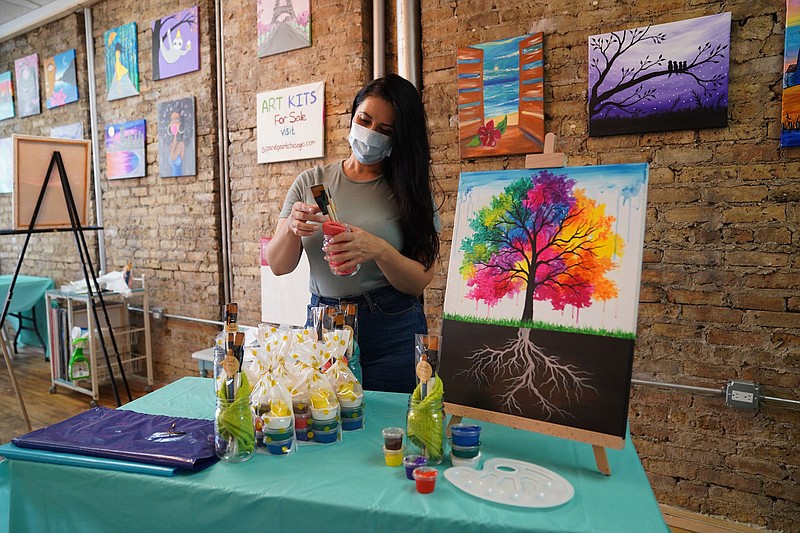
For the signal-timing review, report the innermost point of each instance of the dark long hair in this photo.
(407, 170)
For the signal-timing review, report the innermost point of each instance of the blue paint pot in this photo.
(325, 437)
(279, 447)
(349, 424)
(302, 433)
(465, 435)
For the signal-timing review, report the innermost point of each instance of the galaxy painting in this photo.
(665, 77)
(790, 109)
(125, 157)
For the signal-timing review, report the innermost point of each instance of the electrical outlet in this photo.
(742, 394)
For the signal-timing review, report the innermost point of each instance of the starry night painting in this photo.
(667, 77)
(790, 115)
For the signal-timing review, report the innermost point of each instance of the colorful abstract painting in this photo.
(283, 25)
(542, 294)
(501, 97)
(122, 61)
(790, 111)
(67, 131)
(176, 138)
(6, 166)
(666, 77)
(176, 44)
(6, 96)
(125, 144)
(27, 77)
(60, 79)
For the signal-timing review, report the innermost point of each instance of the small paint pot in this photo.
(349, 403)
(465, 434)
(425, 476)
(392, 457)
(302, 433)
(279, 447)
(277, 435)
(465, 452)
(300, 408)
(353, 412)
(461, 461)
(301, 421)
(393, 438)
(277, 422)
(324, 425)
(349, 424)
(326, 413)
(410, 462)
(324, 437)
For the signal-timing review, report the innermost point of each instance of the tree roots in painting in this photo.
(527, 372)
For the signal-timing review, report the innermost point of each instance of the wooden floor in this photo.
(33, 376)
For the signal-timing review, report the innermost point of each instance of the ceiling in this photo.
(10, 10)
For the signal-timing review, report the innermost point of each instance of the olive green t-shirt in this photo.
(369, 205)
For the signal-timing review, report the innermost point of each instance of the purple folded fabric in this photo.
(186, 443)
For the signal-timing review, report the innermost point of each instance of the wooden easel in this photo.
(599, 441)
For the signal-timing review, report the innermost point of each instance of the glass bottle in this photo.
(425, 424)
(329, 229)
(234, 430)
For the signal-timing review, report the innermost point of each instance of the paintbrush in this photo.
(432, 353)
(324, 200)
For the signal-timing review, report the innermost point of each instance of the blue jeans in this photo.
(388, 321)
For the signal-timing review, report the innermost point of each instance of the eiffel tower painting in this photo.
(283, 25)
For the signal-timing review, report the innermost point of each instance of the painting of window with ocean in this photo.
(542, 296)
(501, 97)
(790, 115)
(666, 77)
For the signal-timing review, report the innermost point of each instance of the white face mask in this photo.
(369, 146)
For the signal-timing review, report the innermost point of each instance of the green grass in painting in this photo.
(540, 325)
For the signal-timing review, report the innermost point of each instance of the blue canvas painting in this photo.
(122, 61)
(666, 77)
(61, 84)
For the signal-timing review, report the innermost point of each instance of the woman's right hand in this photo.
(305, 219)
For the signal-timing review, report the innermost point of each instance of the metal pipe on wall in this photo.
(98, 191)
(409, 51)
(224, 175)
(378, 39)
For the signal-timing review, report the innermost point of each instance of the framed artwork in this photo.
(27, 76)
(32, 157)
(666, 77)
(790, 99)
(501, 97)
(6, 96)
(176, 44)
(61, 83)
(68, 131)
(122, 61)
(290, 123)
(283, 25)
(542, 295)
(125, 145)
(176, 138)
(6, 166)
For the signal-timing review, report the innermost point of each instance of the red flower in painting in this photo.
(488, 134)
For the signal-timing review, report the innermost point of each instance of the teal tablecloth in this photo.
(338, 487)
(28, 294)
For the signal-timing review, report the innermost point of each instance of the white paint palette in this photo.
(512, 482)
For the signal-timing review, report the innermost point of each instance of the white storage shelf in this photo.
(69, 309)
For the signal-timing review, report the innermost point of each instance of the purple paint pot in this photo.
(411, 462)
(465, 434)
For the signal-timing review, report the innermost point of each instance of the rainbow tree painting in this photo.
(501, 97)
(542, 293)
(666, 77)
(790, 108)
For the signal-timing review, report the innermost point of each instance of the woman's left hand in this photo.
(353, 248)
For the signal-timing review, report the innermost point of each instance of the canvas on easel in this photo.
(542, 297)
(32, 156)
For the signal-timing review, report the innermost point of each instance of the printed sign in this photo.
(291, 123)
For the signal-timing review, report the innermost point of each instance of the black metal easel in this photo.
(88, 274)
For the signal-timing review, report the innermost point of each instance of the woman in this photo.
(382, 191)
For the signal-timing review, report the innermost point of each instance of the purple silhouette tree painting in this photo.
(542, 293)
(671, 76)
